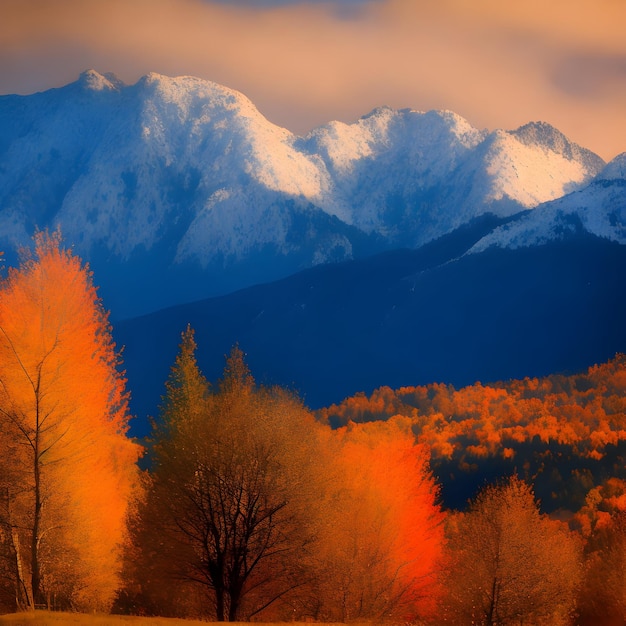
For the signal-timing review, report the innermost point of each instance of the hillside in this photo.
(402, 318)
(565, 433)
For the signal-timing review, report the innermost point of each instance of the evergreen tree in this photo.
(186, 388)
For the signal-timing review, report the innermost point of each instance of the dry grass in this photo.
(43, 618)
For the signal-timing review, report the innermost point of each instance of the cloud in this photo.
(592, 76)
(499, 64)
(337, 4)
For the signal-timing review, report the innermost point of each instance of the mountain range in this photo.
(403, 248)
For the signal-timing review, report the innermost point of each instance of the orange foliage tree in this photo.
(602, 522)
(381, 533)
(268, 511)
(508, 563)
(602, 598)
(70, 469)
(585, 411)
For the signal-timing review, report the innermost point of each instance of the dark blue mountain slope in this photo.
(401, 318)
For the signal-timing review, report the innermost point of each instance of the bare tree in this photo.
(228, 483)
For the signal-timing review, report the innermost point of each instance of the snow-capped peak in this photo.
(533, 164)
(191, 169)
(615, 169)
(94, 81)
(546, 137)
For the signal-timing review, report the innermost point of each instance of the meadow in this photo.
(44, 618)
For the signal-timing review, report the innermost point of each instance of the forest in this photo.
(492, 504)
(565, 434)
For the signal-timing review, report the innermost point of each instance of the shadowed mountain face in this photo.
(402, 318)
(175, 189)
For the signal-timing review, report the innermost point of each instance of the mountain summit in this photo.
(176, 189)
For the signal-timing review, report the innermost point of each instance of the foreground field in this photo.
(43, 618)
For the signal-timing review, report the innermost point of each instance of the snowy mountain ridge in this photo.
(598, 209)
(190, 173)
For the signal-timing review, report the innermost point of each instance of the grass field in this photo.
(43, 618)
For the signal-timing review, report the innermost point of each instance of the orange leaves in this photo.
(543, 428)
(56, 335)
(356, 531)
(64, 403)
(586, 411)
(509, 563)
(386, 526)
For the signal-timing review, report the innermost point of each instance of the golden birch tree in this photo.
(509, 564)
(63, 420)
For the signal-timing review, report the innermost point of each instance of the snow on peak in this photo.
(534, 164)
(248, 141)
(544, 135)
(598, 209)
(615, 169)
(94, 81)
(183, 89)
(385, 127)
(194, 167)
(193, 100)
(384, 124)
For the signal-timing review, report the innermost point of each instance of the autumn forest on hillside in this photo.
(491, 504)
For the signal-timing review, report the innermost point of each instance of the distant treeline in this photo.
(564, 433)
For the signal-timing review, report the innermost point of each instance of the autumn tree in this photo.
(380, 533)
(509, 564)
(602, 600)
(152, 564)
(602, 521)
(231, 479)
(68, 466)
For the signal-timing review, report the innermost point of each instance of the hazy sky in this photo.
(498, 63)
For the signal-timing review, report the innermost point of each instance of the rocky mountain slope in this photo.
(176, 189)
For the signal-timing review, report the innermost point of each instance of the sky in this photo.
(498, 63)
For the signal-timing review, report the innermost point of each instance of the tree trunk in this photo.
(491, 617)
(23, 598)
(233, 609)
(21, 592)
(38, 597)
(219, 604)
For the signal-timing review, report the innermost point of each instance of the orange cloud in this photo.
(499, 64)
